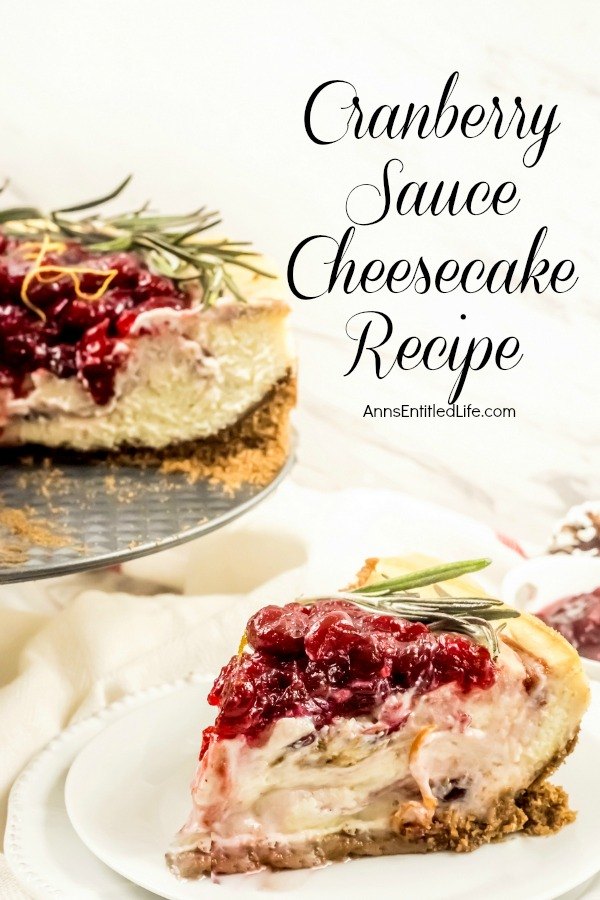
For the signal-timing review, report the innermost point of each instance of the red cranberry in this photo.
(19, 351)
(56, 311)
(85, 314)
(13, 319)
(459, 659)
(278, 630)
(125, 321)
(319, 609)
(435, 660)
(412, 665)
(12, 273)
(318, 635)
(402, 629)
(208, 736)
(126, 265)
(98, 361)
(216, 693)
(44, 293)
(149, 285)
(337, 636)
(61, 360)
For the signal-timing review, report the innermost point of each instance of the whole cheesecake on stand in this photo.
(136, 332)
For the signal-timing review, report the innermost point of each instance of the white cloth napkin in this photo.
(70, 646)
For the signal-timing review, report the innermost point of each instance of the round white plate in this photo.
(43, 851)
(127, 793)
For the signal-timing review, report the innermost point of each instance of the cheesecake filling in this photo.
(333, 720)
(50, 396)
(415, 755)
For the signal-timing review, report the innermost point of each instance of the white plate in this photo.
(43, 851)
(127, 793)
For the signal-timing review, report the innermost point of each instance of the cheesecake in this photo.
(121, 333)
(385, 719)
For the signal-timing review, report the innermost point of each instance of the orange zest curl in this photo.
(46, 274)
(31, 249)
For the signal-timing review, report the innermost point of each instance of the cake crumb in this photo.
(26, 531)
(110, 484)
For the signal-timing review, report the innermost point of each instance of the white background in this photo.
(204, 103)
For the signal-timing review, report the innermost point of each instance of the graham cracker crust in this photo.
(540, 809)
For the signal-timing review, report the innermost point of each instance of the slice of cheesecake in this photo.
(343, 731)
(101, 350)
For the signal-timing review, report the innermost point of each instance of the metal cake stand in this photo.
(78, 517)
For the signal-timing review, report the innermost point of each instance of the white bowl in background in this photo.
(534, 584)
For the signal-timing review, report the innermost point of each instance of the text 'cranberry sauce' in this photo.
(335, 659)
(578, 620)
(61, 328)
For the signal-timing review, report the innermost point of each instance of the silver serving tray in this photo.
(109, 514)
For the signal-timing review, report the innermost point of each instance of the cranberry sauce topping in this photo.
(334, 659)
(72, 335)
(578, 620)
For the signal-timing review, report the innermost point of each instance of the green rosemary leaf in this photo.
(402, 597)
(133, 222)
(419, 614)
(426, 576)
(164, 267)
(90, 204)
(161, 243)
(226, 253)
(19, 213)
(78, 230)
(191, 232)
(243, 264)
(117, 244)
(225, 242)
(477, 629)
(232, 287)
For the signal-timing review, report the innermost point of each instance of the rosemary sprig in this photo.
(170, 245)
(433, 575)
(466, 615)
